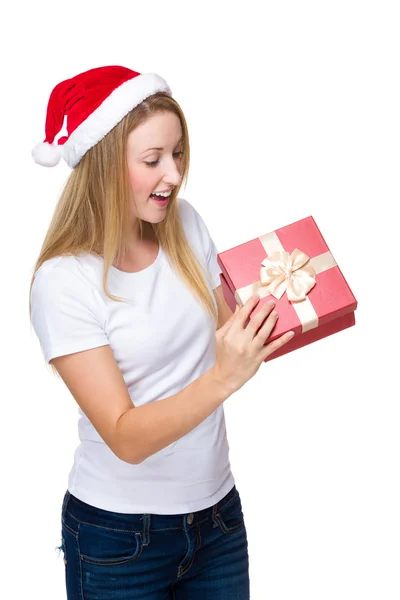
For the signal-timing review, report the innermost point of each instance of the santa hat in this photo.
(92, 103)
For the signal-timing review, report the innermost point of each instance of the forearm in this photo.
(144, 430)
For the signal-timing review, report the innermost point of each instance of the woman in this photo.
(127, 305)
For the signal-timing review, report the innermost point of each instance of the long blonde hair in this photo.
(93, 213)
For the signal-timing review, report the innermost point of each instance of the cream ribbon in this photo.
(283, 272)
(291, 273)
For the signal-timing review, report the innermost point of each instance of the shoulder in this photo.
(192, 220)
(79, 269)
(186, 209)
(53, 270)
(62, 276)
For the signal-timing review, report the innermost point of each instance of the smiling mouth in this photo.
(159, 200)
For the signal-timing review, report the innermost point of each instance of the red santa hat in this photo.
(91, 103)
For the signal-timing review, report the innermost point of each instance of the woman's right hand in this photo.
(241, 350)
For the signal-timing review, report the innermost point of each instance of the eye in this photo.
(155, 162)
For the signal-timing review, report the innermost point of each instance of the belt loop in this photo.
(146, 529)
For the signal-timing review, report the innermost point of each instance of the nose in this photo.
(172, 176)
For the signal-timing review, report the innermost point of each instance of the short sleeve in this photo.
(65, 314)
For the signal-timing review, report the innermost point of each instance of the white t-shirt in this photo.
(162, 340)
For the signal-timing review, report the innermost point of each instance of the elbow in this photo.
(131, 460)
(127, 457)
(123, 436)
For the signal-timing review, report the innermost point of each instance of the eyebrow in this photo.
(162, 148)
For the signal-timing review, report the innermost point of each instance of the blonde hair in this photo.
(93, 213)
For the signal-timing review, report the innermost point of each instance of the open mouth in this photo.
(159, 200)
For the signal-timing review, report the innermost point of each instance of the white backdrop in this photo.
(293, 110)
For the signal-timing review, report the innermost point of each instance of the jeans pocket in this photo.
(70, 525)
(106, 546)
(230, 516)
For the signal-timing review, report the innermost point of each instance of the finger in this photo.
(242, 313)
(257, 320)
(265, 331)
(248, 306)
(276, 344)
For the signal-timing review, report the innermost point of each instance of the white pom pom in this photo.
(47, 155)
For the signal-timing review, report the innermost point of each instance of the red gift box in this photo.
(293, 266)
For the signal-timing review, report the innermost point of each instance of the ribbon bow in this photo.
(288, 272)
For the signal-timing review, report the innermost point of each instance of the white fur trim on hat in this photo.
(112, 110)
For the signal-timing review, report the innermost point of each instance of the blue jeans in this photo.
(198, 556)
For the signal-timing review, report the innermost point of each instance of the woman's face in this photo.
(153, 170)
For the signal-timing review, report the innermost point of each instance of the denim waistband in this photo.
(86, 513)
